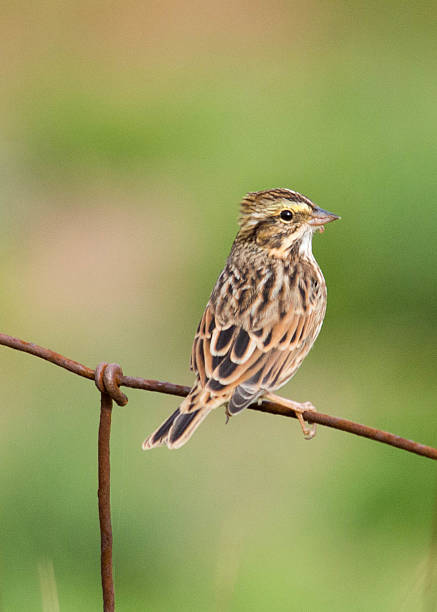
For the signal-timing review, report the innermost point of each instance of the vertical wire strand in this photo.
(104, 495)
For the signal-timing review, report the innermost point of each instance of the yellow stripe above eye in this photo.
(297, 206)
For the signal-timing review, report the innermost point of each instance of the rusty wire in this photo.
(104, 496)
(111, 378)
(108, 379)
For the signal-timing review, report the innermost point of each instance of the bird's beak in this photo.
(320, 217)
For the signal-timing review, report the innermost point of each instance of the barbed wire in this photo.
(109, 378)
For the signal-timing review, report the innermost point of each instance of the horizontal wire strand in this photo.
(180, 390)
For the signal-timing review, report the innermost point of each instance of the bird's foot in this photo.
(298, 409)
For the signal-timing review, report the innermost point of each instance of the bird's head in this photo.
(278, 219)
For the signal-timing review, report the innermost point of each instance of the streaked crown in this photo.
(259, 205)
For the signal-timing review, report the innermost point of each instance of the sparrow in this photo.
(262, 318)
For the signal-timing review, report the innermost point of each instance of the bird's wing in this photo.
(227, 356)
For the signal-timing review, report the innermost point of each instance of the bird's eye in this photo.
(286, 215)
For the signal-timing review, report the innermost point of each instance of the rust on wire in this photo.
(107, 378)
(104, 495)
(111, 378)
(358, 429)
(48, 355)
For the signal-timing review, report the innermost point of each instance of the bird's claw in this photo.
(308, 432)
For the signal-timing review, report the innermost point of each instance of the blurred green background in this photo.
(130, 132)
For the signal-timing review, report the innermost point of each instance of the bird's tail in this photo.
(177, 429)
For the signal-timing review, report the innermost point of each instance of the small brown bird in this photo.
(262, 318)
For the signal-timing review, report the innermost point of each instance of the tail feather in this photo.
(184, 427)
(160, 435)
(177, 429)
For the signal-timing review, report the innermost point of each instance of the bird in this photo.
(262, 318)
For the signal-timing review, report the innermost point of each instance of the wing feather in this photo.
(249, 356)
